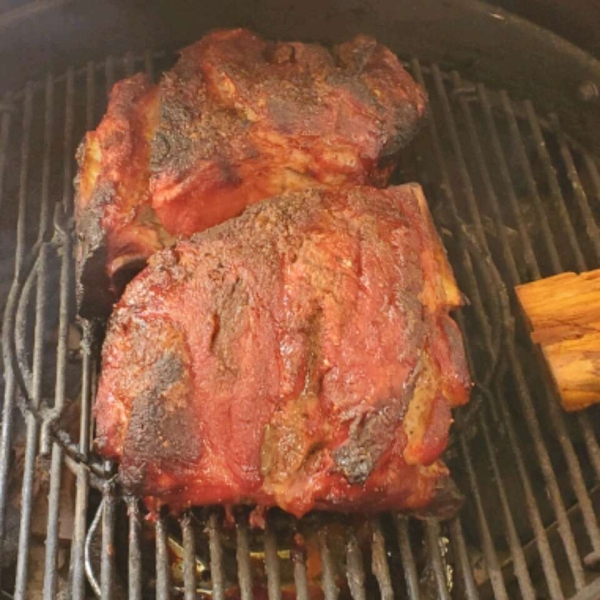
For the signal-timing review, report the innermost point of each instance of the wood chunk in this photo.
(564, 315)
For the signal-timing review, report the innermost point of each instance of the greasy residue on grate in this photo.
(513, 199)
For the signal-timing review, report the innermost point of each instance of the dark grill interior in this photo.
(514, 199)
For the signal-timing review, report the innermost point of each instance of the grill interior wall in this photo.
(513, 199)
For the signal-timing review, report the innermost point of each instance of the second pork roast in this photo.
(300, 355)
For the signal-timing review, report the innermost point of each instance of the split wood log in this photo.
(564, 315)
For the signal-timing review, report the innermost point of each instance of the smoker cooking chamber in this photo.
(514, 199)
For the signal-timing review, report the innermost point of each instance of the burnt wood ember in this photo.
(238, 119)
(300, 355)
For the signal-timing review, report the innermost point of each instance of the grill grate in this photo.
(514, 199)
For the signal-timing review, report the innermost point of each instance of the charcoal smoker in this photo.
(508, 158)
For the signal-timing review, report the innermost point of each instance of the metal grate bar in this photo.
(462, 558)
(216, 556)
(243, 559)
(330, 588)
(9, 389)
(408, 560)
(189, 557)
(457, 148)
(57, 453)
(355, 572)
(491, 558)
(564, 527)
(47, 154)
(379, 563)
(109, 74)
(24, 174)
(27, 489)
(579, 191)
(517, 142)
(489, 550)
(129, 64)
(134, 558)
(300, 576)
(535, 519)
(487, 182)
(76, 568)
(592, 592)
(447, 192)
(508, 188)
(163, 579)
(550, 171)
(108, 543)
(61, 361)
(6, 111)
(590, 441)
(21, 320)
(272, 562)
(516, 550)
(90, 95)
(432, 535)
(69, 148)
(149, 64)
(89, 569)
(574, 470)
(592, 171)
